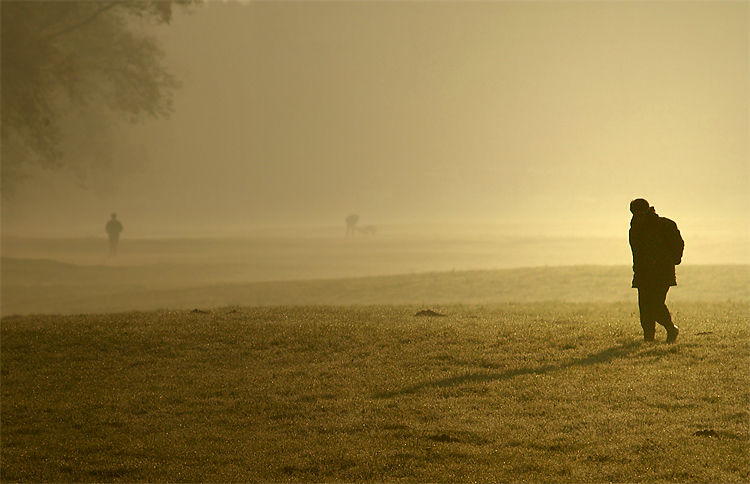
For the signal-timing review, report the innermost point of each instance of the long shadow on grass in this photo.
(622, 351)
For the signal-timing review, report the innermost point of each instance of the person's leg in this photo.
(647, 312)
(662, 314)
(660, 307)
(113, 245)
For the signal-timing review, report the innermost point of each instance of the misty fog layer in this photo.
(545, 115)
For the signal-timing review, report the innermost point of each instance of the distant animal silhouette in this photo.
(367, 230)
(351, 224)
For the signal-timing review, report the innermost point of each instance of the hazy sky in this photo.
(424, 111)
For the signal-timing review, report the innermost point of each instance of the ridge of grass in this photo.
(33, 287)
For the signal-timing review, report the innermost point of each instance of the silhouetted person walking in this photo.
(657, 248)
(114, 227)
(351, 224)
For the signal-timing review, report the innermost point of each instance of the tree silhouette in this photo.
(60, 56)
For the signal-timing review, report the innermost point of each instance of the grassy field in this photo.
(72, 276)
(524, 392)
(302, 360)
(49, 287)
(75, 276)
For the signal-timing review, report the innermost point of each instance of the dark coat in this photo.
(113, 228)
(657, 248)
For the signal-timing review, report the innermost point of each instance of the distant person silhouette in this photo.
(657, 248)
(114, 227)
(351, 224)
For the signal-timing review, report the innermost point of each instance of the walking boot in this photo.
(672, 334)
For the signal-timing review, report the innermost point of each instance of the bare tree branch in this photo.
(85, 21)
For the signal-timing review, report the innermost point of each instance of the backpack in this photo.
(673, 242)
